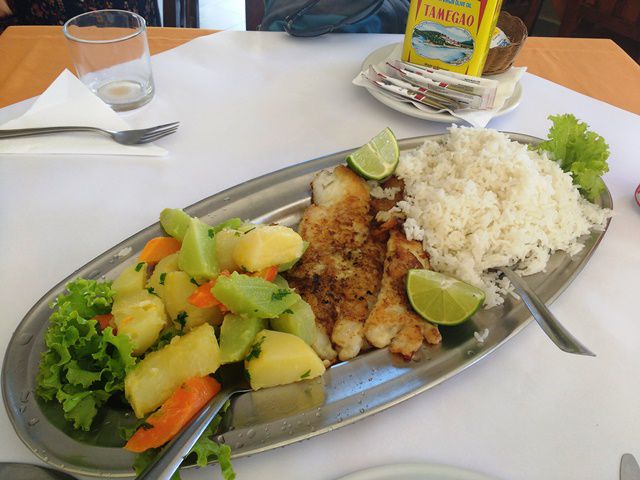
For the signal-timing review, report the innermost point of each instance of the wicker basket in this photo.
(500, 59)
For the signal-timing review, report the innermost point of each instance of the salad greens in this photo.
(579, 151)
(83, 367)
(207, 449)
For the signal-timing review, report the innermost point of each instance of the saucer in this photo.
(392, 52)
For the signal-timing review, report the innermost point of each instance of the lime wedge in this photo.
(377, 159)
(442, 299)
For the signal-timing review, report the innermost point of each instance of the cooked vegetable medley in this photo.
(201, 297)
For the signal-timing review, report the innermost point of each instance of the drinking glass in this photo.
(111, 55)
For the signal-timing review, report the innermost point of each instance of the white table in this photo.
(251, 103)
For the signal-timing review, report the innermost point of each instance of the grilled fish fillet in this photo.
(392, 322)
(339, 274)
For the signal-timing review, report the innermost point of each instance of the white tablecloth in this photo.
(251, 103)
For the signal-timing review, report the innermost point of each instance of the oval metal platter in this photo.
(274, 417)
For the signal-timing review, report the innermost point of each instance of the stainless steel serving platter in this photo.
(263, 420)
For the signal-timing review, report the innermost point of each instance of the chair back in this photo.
(181, 13)
(254, 12)
(527, 10)
(616, 19)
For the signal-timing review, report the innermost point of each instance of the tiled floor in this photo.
(222, 14)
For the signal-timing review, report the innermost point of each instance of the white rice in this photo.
(481, 336)
(478, 201)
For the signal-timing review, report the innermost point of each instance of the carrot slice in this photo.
(175, 413)
(105, 320)
(268, 273)
(203, 298)
(158, 248)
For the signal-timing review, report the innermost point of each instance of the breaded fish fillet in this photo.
(339, 274)
(392, 321)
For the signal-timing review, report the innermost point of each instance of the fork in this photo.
(125, 137)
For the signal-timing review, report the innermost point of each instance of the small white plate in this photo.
(415, 471)
(389, 52)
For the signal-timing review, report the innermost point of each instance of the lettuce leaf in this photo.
(82, 366)
(87, 297)
(579, 151)
(206, 449)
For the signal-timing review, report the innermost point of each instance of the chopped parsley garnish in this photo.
(139, 266)
(280, 294)
(193, 280)
(165, 338)
(163, 275)
(211, 233)
(256, 350)
(152, 291)
(182, 319)
(289, 311)
(247, 375)
(306, 374)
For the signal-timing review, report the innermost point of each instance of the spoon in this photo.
(25, 471)
(547, 320)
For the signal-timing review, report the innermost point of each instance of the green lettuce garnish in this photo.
(82, 366)
(207, 449)
(581, 152)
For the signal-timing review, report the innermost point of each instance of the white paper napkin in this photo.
(507, 84)
(477, 118)
(68, 101)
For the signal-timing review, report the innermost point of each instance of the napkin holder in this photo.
(500, 59)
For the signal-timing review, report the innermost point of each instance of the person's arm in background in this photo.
(5, 11)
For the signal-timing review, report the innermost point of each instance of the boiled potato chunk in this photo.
(226, 241)
(131, 280)
(277, 358)
(177, 288)
(158, 277)
(141, 316)
(267, 245)
(160, 373)
(289, 265)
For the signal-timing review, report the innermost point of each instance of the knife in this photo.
(629, 469)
